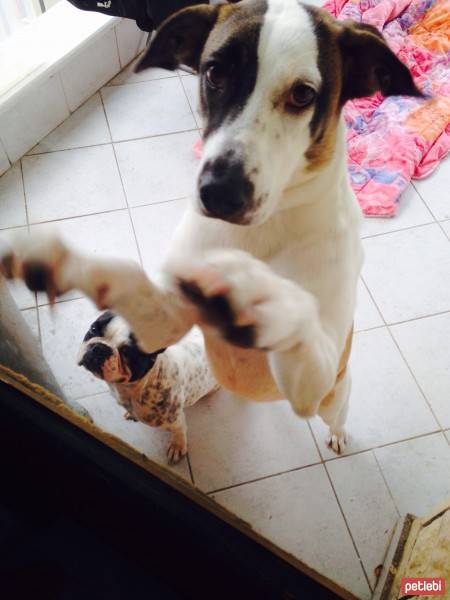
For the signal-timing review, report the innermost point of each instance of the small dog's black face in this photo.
(110, 351)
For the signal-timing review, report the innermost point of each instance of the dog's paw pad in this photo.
(210, 295)
(175, 452)
(337, 441)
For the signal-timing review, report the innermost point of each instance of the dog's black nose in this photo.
(95, 356)
(224, 189)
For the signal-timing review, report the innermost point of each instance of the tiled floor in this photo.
(114, 177)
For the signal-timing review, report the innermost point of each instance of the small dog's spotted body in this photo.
(155, 387)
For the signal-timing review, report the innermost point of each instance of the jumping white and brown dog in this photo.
(267, 258)
(155, 387)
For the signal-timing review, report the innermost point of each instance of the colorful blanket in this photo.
(391, 140)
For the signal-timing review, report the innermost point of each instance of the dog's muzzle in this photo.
(224, 190)
(95, 357)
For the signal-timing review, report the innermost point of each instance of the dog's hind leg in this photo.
(333, 410)
(47, 264)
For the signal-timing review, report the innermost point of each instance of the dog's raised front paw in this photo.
(244, 301)
(36, 259)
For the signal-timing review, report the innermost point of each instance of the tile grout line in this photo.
(124, 141)
(66, 101)
(399, 516)
(316, 443)
(381, 233)
(191, 471)
(378, 235)
(321, 462)
(388, 327)
(94, 214)
(348, 528)
(28, 227)
(424, 201)
(386, 445)
(414, 378)
(386, 483)
(435, 314)
(436, 220)
(189, 102)
(123, 186)
(71, 112)
(262, 478)
(109, 84)
(371, 297)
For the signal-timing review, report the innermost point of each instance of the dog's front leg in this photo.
(251, 306)
(46, 264)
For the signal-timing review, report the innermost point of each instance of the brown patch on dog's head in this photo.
(354, 61)
(323, 124)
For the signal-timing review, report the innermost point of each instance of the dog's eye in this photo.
(216, 76)
(301, 96)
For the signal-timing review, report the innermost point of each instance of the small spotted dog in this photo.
(153, 387)
(267, 257)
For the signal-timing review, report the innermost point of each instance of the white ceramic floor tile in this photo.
(20, 293)
(63, 327)
(232, 441)
(130, 40)
(158, 169)
(385, 404)
(191, 86)
(366, 314)
(368, 507)
(87, 126)
(298, 512)
(33, 117)
(435, 190)
(12, 199)
(446, 227)
(417, 473)
(108, 235)
(154, 226)
(127, 75)
(408, 272)
(4, 160)
(152, 442)
(72, 183)
(90, 68)
(411, 211)
(31, 318)
(425, 344)
(148, 108)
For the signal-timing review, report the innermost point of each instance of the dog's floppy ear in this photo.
(180, 38)
(369, 65)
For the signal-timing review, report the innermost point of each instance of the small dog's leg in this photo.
(334, 414)
(46, 264)
(178, 444)
(129, 417)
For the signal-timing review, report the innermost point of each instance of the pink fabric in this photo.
(391, 140)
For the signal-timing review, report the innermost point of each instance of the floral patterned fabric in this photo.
(391, 140)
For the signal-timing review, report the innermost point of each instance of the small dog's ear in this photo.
(180, 39)
(369, 65)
